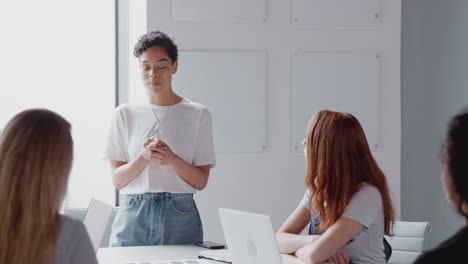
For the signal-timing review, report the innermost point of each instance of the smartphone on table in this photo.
(209, 245)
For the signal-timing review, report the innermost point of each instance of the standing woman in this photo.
(36, 152)
(161, 153)
(454, 179)
(347, 191)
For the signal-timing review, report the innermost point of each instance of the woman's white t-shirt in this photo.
(187, 130)
(365, 208)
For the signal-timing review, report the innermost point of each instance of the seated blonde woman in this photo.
(36, 152)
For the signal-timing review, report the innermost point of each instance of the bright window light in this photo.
(60, 55)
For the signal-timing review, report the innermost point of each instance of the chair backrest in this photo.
(96, 220)
(409, 241)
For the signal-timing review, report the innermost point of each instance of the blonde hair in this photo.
(36, 153)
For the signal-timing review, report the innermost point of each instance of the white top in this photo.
(187, 130)
(365, 208)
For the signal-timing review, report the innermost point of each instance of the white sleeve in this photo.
(305, 200)
(116, 147)
(204, 151)
(364, 206)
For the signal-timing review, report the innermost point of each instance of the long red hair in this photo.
(338, 162)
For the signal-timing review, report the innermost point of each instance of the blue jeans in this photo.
(313, 227)
(156, 219)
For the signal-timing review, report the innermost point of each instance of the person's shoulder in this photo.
(73, 232)
(194, 107)
(74, 244)
(452, 249)
(71, 225)
(369, 190)
(128, 107)
(433, 256)
(129, 110)
(70, 230)
(440, 254)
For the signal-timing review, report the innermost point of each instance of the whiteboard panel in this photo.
(344, 82)
(227, 11)
(336, 12)
(233, 87)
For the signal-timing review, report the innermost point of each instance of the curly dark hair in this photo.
(456, 156)
(156, 38)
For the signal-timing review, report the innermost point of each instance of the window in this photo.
(60, 55)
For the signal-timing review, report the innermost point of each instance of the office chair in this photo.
(409, 241)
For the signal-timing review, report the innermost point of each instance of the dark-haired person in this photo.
(36, 154)
(454, 179)
(161, 153)
(347, 191)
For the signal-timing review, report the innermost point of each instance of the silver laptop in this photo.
(250, 237)
(96, 220)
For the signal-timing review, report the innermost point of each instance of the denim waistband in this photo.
(158, 196)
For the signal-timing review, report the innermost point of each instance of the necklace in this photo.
(158, 131)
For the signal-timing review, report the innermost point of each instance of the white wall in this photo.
(434, 88)
(272, 182)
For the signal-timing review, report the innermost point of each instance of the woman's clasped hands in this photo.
(157, 151)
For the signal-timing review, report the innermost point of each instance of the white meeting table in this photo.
(118, 255)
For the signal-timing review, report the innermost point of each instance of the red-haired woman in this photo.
(347, 191)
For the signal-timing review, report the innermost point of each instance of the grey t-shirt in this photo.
(74, 245)
(365, 208)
